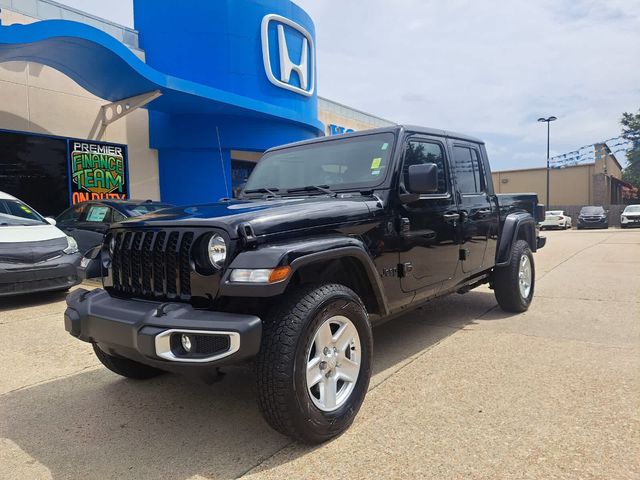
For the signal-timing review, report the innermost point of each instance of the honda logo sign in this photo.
(300, 67)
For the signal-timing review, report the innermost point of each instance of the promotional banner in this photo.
(97, 171)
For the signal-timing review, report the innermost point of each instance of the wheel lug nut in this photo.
(323, 365)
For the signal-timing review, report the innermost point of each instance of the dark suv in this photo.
(593, 217)
(330, 237)
(87, 222)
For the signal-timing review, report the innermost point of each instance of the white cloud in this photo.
(489, 68)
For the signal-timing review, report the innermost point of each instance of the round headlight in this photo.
(217, 250)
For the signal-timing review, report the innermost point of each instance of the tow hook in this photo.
(164, 308)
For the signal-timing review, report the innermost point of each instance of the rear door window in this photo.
(116, 216)
(468, 168)
(98, 214)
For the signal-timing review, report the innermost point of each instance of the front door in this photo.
(478, 211)
(428, 226)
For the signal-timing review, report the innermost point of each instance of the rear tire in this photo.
(300, 391)
(125, 367)
(514, 284)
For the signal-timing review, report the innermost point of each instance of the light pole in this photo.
(548, 121)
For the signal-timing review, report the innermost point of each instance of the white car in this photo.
(35, 255)
(556, 219)
(630, 217)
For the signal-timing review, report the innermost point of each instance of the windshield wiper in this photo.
(309, 188)
(271, 191)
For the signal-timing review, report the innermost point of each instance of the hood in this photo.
(30, 233)
(30, 245)
(265, 216)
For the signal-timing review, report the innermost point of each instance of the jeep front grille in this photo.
(152, 264)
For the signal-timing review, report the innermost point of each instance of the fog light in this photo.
(186, 342)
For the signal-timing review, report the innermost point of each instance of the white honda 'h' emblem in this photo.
(304, 68)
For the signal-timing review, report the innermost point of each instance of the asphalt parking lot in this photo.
(460, 389)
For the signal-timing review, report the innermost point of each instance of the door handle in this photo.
(484, 211)
(451, 216)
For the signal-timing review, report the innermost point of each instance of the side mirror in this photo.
(51, 221)
(423, 178)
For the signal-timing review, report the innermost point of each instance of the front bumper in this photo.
(630, 221)
(56, 274)
(553, 224)
(603, 223)
(141, 330)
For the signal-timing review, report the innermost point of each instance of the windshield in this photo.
(592, 211)
(137, 210)
(632, 209)
(345, 163)
(14, 212)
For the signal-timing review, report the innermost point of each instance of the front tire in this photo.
(514, 283)
(314, 364)
(125, 367)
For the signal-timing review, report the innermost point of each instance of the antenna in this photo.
(224, 173)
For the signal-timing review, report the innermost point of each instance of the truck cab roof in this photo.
(394, 129)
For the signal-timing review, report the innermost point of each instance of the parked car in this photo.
(330, 236)
(556, 219)
(630, 217)
(593, 217)
(34, 254)
(87, 222)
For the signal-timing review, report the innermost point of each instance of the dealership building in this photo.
(91, 109)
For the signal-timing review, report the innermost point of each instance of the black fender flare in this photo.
(514, 224)
(298, 254)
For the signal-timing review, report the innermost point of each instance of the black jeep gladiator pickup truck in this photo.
(329, 237)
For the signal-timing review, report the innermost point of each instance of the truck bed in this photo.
(519, 202)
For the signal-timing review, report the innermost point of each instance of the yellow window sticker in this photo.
(25, 209)
(385, 146)
(375, 164)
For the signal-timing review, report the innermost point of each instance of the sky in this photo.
(488, 68)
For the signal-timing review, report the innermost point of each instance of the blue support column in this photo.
(193, 176)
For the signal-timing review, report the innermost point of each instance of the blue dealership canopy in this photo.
(108, 69)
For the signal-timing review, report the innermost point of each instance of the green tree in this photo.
(631, 131)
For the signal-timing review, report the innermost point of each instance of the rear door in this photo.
(428, 226)
(478, 206)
